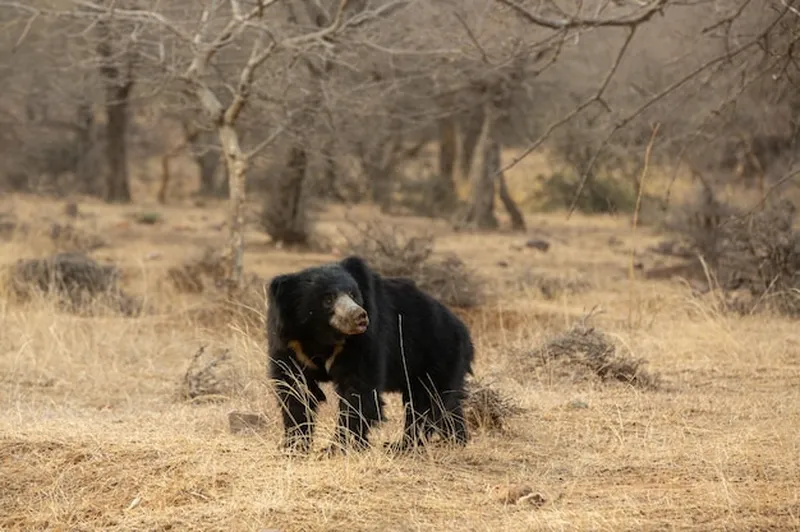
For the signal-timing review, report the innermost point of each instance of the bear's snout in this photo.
(348, 316)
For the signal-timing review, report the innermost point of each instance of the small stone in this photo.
(521, 494)
(71, 209)
(246, 421)
(578, 404)
(537, 243)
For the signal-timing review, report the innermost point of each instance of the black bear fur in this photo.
(427, 365)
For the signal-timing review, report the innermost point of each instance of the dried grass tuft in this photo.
(590, 350)
(486, 408)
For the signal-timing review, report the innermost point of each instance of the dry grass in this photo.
(94, 435)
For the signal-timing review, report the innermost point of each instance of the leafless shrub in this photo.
(486, 408)
(68, 237)
(551, 286)
(587, 349)
(760, 252)
(74, 279)
(194, 274)
(210, 377)
(700, 223)
(757, 252)
(10, 226)
(242, 308)
(393, 253)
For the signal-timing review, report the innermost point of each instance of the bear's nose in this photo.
(360, 315)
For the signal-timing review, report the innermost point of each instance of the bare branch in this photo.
(25, 30)
(665, 92)
(596, 97)
(269, 140)
(257, 57)
(383, 11)
(334, 26)
(577, 22)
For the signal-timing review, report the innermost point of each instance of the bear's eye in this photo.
(329, 299)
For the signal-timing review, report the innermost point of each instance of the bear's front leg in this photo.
(298, 399)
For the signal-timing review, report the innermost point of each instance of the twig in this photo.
(473, 38)
(772, 189)
(635, 223)
(578, 22)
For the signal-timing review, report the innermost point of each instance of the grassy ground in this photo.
(93, 435)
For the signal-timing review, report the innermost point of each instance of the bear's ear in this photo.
(279, 292)
(355, 265)
(361, 272)
(280, 286)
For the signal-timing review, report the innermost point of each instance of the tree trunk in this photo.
(378, 164)
(85, 171)
(118, 84)
(207, 160)
(493, 163)
(284, 216)
(444, 190)
(329, 189)
(481, 211)
(237, 164)
(469, 138)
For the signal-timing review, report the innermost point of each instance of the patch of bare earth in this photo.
(96, 432)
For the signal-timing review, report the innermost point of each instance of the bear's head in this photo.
(324, 302)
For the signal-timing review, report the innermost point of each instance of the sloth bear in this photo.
(344, 323)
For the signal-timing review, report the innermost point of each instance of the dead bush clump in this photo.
(486, 408)
(243, 308)
(71, 238)
(393, 253)
(758, 252)
(75, 279)
(210, 377)
(550, 286)
(587, 349)
(198, 274)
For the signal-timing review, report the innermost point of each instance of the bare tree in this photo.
(117, 71)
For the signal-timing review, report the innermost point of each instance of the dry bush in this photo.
(587, 349)
(758, 252)
(68, 237)
(699, 222)
(243, 309)
(550, 286)
(211, 376)
(10, 225)
(600, 195)
(393, 253)
(189, 277)
(486, 408)
(76, 280)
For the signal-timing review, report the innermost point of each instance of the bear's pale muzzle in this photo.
(348, 316)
